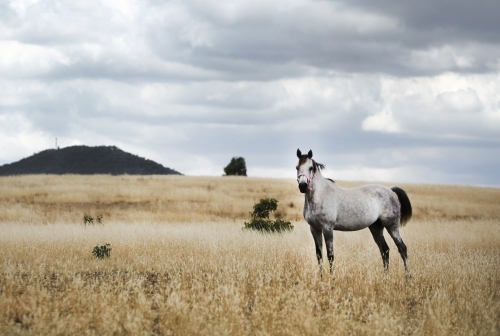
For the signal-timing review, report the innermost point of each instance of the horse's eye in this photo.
(297, 167)
(310, 168)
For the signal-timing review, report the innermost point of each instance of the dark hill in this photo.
(85, 161)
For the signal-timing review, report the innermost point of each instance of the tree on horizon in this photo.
(237, 166)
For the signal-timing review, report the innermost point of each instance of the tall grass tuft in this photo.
(101, 252)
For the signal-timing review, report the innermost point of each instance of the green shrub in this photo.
(89, 219)
(260, 218)
(101, 252)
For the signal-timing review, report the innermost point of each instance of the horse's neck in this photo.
(318, 184)
(319, 181)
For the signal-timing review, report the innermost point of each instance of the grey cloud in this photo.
(448, 20)
(444, 160)
(275, 38)
(267, 42)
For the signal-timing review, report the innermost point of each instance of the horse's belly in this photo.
(354, 222)
(350, 227)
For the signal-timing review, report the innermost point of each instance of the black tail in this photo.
(406, 211)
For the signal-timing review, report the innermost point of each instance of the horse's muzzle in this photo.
(303, 187)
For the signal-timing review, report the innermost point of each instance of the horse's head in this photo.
(306, 170)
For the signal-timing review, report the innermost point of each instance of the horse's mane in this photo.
(321, 167)
(318, 165)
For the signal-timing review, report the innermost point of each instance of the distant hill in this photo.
(85, 160)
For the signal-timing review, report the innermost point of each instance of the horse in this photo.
(328, 208)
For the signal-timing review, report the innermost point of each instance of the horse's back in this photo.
(362, 206)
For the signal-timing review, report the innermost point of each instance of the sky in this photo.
(397, 91)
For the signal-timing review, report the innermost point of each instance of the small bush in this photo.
(89, 219)
(260, 218)
(101, 252)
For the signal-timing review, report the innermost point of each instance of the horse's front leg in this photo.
(328, 234)
(318, 242)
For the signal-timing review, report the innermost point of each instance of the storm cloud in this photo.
(394, 91)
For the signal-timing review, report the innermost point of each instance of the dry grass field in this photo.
(181, 264)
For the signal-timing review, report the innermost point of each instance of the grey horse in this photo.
(328, 207)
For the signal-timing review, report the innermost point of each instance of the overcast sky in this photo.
(400, 91)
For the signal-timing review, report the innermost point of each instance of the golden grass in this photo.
(181, 265)
(43, 199)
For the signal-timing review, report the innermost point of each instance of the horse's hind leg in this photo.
(394, 232)
(377, 230)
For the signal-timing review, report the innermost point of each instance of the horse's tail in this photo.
(406, 210)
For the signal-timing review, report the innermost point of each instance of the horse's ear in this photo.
(299, 153)
(310, 154)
